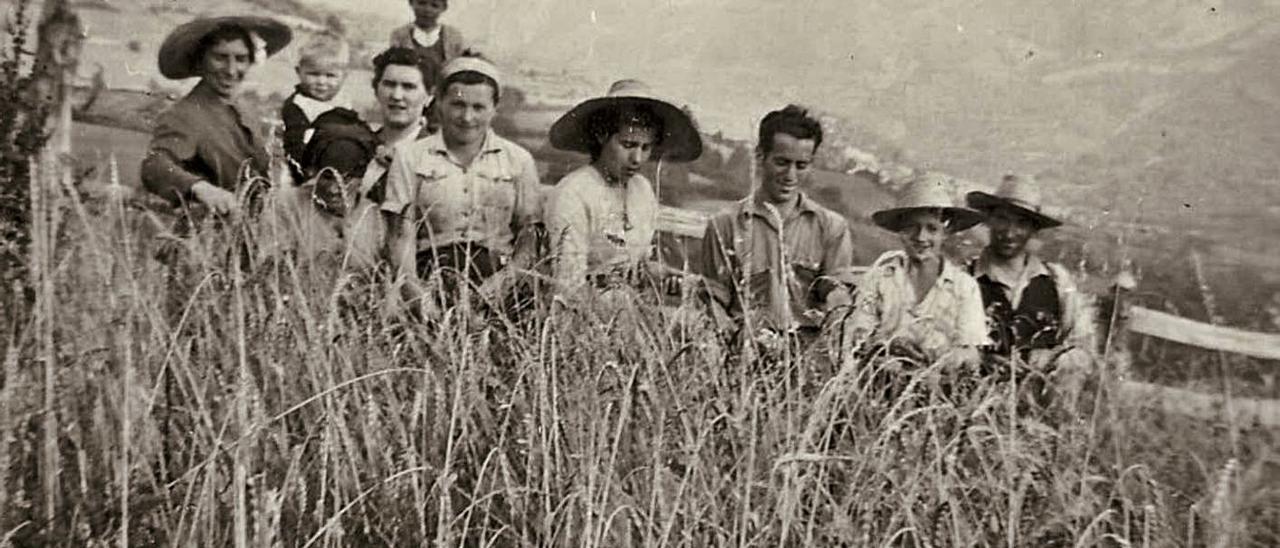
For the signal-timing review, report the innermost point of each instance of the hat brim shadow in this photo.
(985, 203)
(680, 140)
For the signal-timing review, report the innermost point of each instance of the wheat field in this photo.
(247, 395)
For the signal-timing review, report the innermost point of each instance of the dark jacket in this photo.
(201, 138)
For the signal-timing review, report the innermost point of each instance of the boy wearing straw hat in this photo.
(777, 260)
(1035, 309)
(915, 301)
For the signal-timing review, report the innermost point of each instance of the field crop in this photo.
(244, 393)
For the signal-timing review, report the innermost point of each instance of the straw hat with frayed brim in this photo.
(680, 139)
(929, 193)
(178, 52)
(1021, 194)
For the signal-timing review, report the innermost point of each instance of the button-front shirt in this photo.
(745, 249)
(595, 226)
(1074, 325)
(486, 203)
(202, 137)
(950, 314)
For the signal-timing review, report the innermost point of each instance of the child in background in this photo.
(435, 41)
(322, 69)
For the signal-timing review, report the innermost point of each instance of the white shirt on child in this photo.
(313, 108)
(426, 38)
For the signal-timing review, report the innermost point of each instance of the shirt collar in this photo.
(435, 144)
(895, 262)
(426, 38)
(751, 205)
(313, 108)
(1034, 267)
(204, 94)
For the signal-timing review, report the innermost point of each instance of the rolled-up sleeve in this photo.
(173, 144)
(971, 320)
(402, 181)
(1078, 313)
(837, 261)
(567, 228)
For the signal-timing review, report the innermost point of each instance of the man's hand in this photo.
(669, 279)
(218, 200)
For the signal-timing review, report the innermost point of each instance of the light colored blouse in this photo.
(950, 315)
(595, 226)
(486, 203)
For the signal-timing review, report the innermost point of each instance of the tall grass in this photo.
(267, 399)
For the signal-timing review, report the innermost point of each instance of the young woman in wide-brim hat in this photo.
(205, 145)
(601, 217)
(916, 301)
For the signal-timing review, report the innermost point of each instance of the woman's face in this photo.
(466, 110)
(923, 233)
(225, 65)
(625, 152)
(402, 95)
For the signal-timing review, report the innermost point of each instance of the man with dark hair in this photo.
(777, 260)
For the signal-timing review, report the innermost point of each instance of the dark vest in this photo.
(1034, 324)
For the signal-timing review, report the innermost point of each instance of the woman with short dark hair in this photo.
(204, 145)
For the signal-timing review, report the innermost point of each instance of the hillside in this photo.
(1145, 116)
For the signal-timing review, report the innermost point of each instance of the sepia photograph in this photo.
(686, 273)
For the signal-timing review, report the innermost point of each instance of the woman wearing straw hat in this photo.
(601, 217)
(463, 203)
(916, 301)
(1036, 311)
(203, 145)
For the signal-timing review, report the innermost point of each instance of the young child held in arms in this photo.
(314, 106)
(435, 41)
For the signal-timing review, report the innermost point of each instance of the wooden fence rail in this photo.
(1143, 321)
(1189, 332)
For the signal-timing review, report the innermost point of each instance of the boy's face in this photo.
(1010, 232)
(923, 232)
(321, 80)
(428, 12)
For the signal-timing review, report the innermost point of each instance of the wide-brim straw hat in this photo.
(178, 51)
(680, 139)
(930, 192)
(1021, 194)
